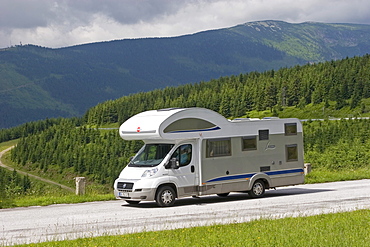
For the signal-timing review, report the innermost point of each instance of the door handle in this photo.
(192, 168)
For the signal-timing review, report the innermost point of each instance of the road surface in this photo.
(63, 221)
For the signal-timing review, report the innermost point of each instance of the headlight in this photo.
(149, 173)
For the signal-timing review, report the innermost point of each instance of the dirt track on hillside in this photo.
(31, 175)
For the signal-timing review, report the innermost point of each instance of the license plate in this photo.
(123, 194)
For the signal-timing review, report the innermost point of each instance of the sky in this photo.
(61, 23)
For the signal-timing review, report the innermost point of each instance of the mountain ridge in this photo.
(38, 82)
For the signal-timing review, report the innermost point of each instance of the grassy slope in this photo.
(5, 145)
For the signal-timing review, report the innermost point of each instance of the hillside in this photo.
(65, 148)
(37, 82)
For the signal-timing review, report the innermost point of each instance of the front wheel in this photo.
(258, 189)
(165, 196)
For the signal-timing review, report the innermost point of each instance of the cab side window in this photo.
(183, 154)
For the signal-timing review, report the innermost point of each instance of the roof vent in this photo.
(169, 109)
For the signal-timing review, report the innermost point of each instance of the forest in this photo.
(345, 82)
(76, 146)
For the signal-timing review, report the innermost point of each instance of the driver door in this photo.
(186, 174)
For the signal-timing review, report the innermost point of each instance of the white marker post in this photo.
(80, 185)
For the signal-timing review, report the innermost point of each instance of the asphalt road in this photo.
(63, 221)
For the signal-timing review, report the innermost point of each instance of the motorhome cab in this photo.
(196, 151)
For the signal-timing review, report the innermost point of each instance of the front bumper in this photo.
(136, 195)
(134, 190)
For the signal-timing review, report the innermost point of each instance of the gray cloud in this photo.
(128, 11)
(24, 14)
(68, 22)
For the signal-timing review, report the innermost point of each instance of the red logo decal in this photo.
(138, 129)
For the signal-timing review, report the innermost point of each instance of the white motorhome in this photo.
(196, 151)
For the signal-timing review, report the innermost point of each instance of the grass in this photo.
(339, 229)
(8, 144)
(322, 175)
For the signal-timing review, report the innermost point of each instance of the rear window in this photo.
(290, 129)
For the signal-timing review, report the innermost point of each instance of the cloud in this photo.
(68, 22)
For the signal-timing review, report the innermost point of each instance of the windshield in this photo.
(150, 155)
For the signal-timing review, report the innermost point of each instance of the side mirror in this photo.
(173, 164)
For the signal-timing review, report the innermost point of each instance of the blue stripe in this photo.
(231, 177)
(200, 130)
(284, 172)
(249, 175)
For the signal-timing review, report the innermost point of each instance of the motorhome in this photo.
(196, 151)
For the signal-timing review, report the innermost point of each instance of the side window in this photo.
(290, 129)
(249, 143)
(183, 154)
(218, 147)
(263, 135)
(291, 152)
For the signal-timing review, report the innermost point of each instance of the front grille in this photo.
(121, 190)
(125, 186)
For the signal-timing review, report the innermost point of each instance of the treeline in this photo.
(32, 128)
(346, 82)
(65, 148)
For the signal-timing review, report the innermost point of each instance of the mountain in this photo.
(38, 82)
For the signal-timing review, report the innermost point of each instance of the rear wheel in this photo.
(165, 196)
(258, 189)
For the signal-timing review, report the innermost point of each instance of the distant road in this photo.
(30, 175)
(70, 221)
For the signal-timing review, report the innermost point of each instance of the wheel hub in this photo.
(258, 189)
(167, 197)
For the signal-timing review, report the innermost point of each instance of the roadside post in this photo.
(80, 185)
(307, 168)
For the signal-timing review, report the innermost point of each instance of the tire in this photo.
(258, 189)
(132, 202)
(165, 196)
(223, 194)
